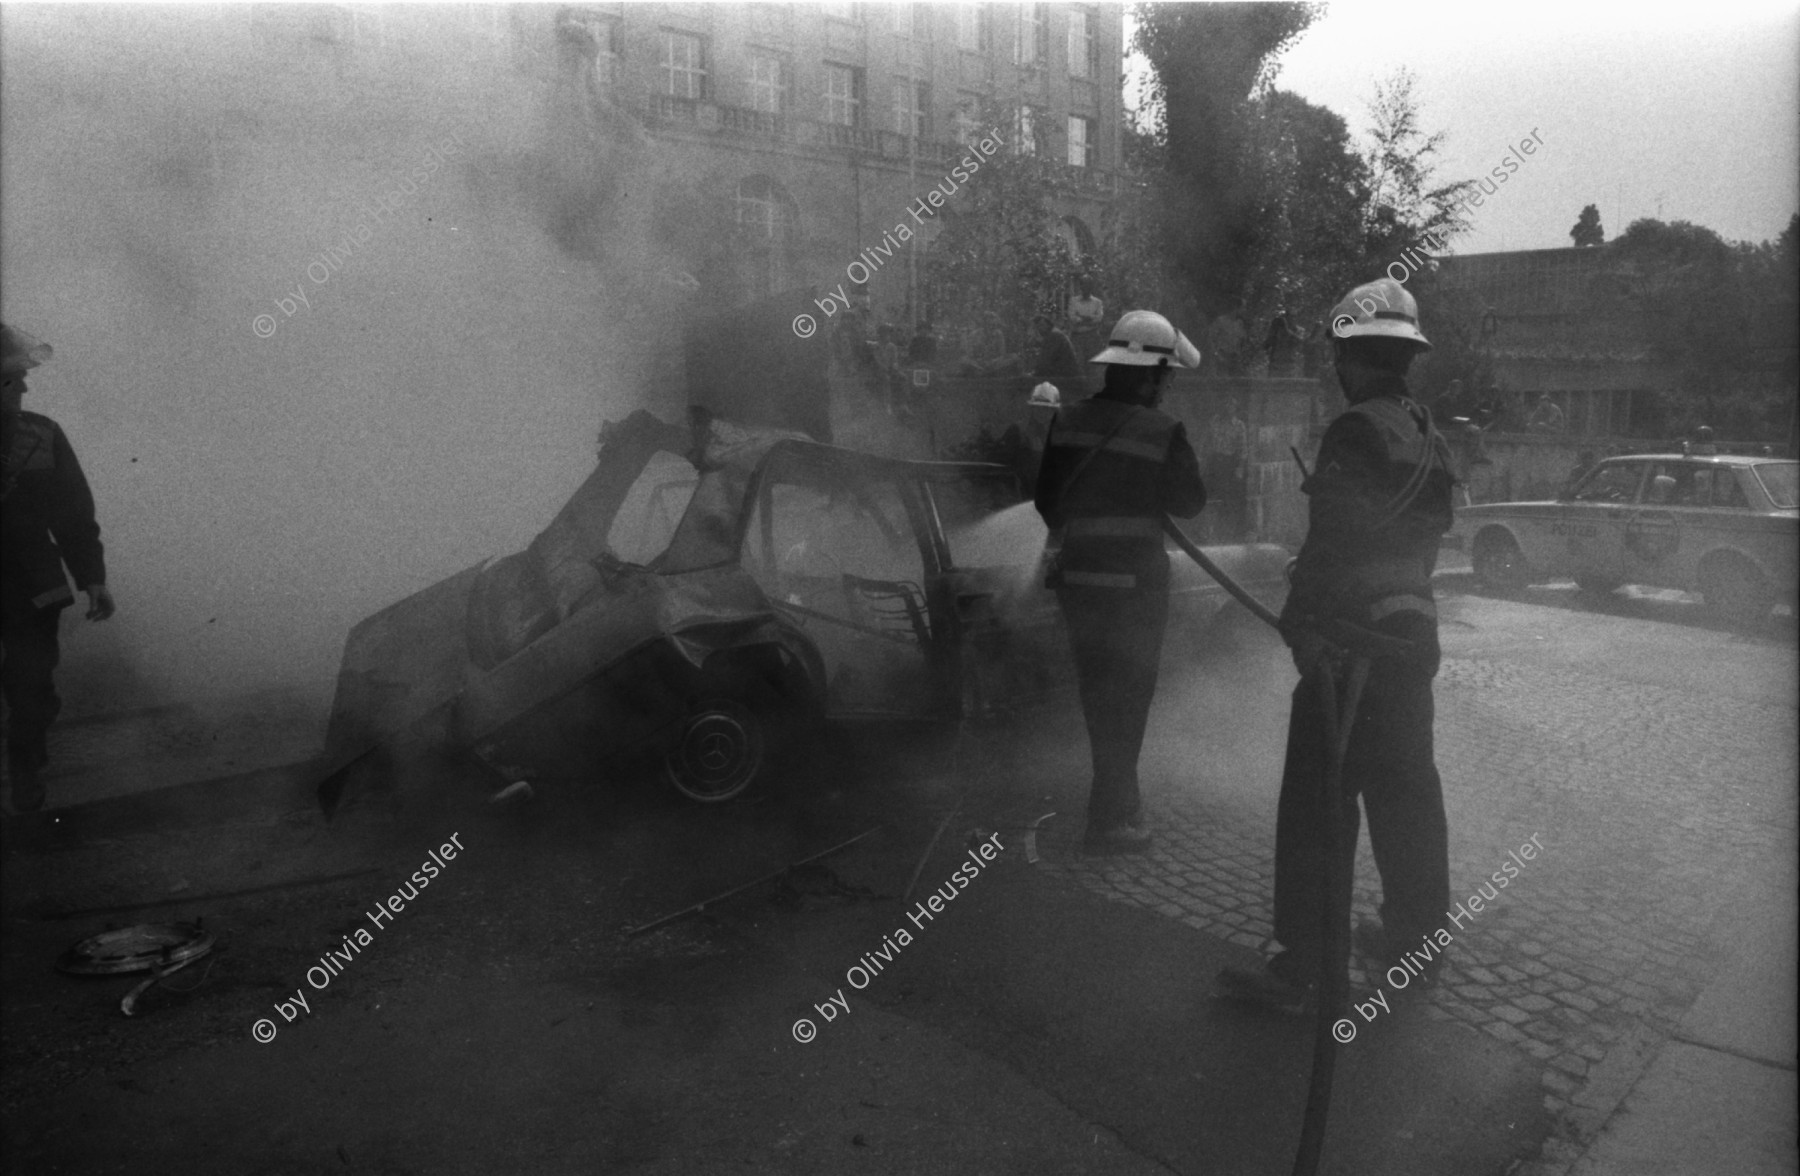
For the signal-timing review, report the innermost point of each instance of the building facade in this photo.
(1557, 321)
(786, 138)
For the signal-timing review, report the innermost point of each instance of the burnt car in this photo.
(1722, 526)
(711, 594)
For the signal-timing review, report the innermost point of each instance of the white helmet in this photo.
(20, 352)
(1045, 395)
(1143, 338)
(1379, 309)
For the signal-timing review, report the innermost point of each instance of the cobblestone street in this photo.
(1660, 796)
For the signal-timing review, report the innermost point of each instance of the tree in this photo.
(1003, 250)
(1208, 62)
(1000, 251)
(1456, 320)
(1303, 233)
(1719, 317)
(1587, 230)
(1404, 211)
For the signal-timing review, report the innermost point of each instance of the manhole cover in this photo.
(140, 948)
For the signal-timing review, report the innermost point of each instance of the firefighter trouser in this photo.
(28, 656)
(1390, 764)
(1116, 636)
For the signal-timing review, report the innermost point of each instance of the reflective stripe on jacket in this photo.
(1111, 469)
(1379, 499)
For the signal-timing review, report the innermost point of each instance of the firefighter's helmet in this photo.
(1381, 309)
(1143, 338)
(20, 352)
(1045, 395)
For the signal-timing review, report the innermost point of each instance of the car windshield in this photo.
(652, 508)
(1611, 482)
(1778, 482)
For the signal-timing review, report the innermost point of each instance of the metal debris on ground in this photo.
(518, 791)
(1031, 830)
(633, 932)
(161, 949)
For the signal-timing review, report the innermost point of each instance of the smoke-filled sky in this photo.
(282, 440)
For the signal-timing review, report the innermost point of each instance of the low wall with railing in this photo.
(1278, 415)
(1516, 467)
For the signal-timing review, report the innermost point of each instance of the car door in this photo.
(1592, 524)
(1672, 503)
(1014, 649)
(836, 551)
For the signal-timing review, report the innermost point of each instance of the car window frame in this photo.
(1637, 492)
(1756, 474)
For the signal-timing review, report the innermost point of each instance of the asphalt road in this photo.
(1057, 1018)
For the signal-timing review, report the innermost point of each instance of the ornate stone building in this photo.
(780, 140)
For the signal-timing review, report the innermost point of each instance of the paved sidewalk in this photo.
(1631, 992)
(1721, 1095)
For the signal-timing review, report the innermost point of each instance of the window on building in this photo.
(912, 108)
(1080, 140)
(764, 209)
(595, 36)
(1031, 40)
(769, 82)
(1081, 44)
(973, 25)
(912, 20)
(766, 220)
(969, 125)
(606, 60)
(843, 95)
(683, 65)
(1025, 131)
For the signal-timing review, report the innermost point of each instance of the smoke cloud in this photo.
(294, 407)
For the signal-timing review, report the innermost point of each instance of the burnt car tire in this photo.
(719, 750)
(1736, 592)
(1498, 563)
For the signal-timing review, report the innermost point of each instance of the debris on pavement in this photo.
(1031, 853)
(161, 949)
(633, 932)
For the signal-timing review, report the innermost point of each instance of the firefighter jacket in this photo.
(46, 515)
(1379, 498)
(1111, 470)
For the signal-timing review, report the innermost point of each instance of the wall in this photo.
(1524, 467)
(1279, 413)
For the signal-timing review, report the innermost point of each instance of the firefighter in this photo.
(1113, 466)
(1379, 498)
(47, 521)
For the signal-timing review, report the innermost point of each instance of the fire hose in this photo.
(1355, 648)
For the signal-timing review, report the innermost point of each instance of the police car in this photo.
(1722, 526)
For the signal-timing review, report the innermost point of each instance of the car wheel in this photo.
(1736, 592)
(1498, 562)
(1596, 585)
(719, 750)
